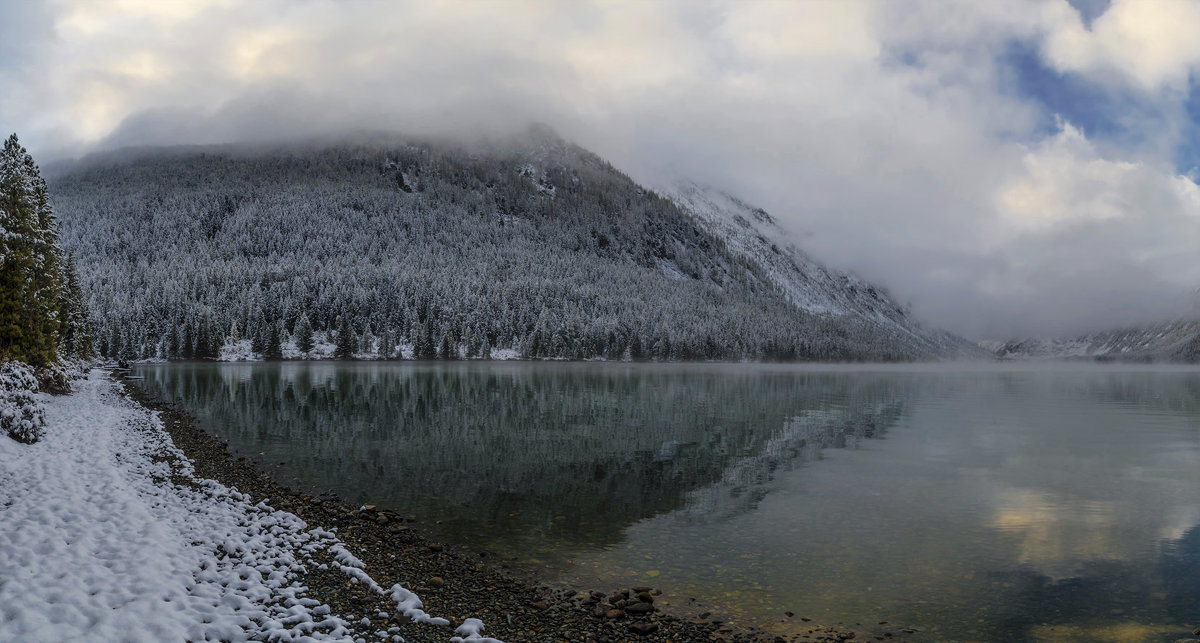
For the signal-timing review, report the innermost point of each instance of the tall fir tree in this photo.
(75, 330)
(346, 342)
(304, 334)
(30, 263)
(273, 347)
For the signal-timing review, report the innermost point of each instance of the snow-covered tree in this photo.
(304, 334)
(346, 342)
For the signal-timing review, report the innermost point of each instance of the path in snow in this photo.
(97, 543)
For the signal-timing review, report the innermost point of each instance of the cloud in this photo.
(1150, 43)
(887, 134)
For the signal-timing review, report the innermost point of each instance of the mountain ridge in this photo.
(1168, 341)
(445, 249)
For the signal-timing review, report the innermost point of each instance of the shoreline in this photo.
(510, 598)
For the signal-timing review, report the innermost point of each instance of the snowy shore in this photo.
(107, 534)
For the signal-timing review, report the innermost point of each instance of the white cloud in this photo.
(1151, 43)
(881, 129)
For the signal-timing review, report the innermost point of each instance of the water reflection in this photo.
(1003, 505)
(527, 456)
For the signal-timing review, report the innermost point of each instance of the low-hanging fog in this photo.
(1010, 168)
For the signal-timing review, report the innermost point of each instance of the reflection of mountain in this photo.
(569, 454)
(802, 438)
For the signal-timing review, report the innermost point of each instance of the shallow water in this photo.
(973, 503)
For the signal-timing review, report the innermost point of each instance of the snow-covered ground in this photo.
(105, 535)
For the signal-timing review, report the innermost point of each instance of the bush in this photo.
(54, 380)
(22, 417)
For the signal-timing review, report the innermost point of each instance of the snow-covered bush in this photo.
(22, 417)
(54, 379)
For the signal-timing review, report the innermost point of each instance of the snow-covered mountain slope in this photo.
(531, 246)
(753, 235)
(1171, 341)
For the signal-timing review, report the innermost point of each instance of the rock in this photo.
(643, 628)
(1196, 632)
(614, 614)
(540, 606)
(597, 596)
(368, 508)
(600, 611)
(398, 529)
(641, 590)
(382, 520)
(639, 608)
(705, 614)
(435, 548)
(645, 597)
(436, 581)
(789, 614)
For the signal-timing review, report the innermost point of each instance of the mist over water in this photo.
(1008, 504)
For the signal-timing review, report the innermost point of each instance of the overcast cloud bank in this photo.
(1014, 167)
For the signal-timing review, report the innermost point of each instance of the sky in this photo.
(1008, 168)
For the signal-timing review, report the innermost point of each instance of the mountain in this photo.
(384, 245)
(1170, 341)
(753, 235)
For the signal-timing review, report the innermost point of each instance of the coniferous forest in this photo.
(393, 247)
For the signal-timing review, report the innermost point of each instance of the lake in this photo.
(991, 502)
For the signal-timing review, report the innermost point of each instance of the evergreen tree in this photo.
(345, 341)
(30, 264)
(260, 336)
(187, 345)
(75, 335)
(273, 347)
(387, 344)
(368, 340)
(304, 334)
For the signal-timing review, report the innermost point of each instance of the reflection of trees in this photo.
(566, 454)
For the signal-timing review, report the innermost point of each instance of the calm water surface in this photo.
(987, 503)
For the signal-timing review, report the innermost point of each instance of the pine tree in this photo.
(345, 341)
(304, 334)
(30, 263)
(75, 335)
(260, 336)
(187, 345)
(368, 340)
(273, 347)
(387, 344)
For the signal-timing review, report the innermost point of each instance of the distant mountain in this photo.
(752, 234)
(386, 246)
(1172, 341)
